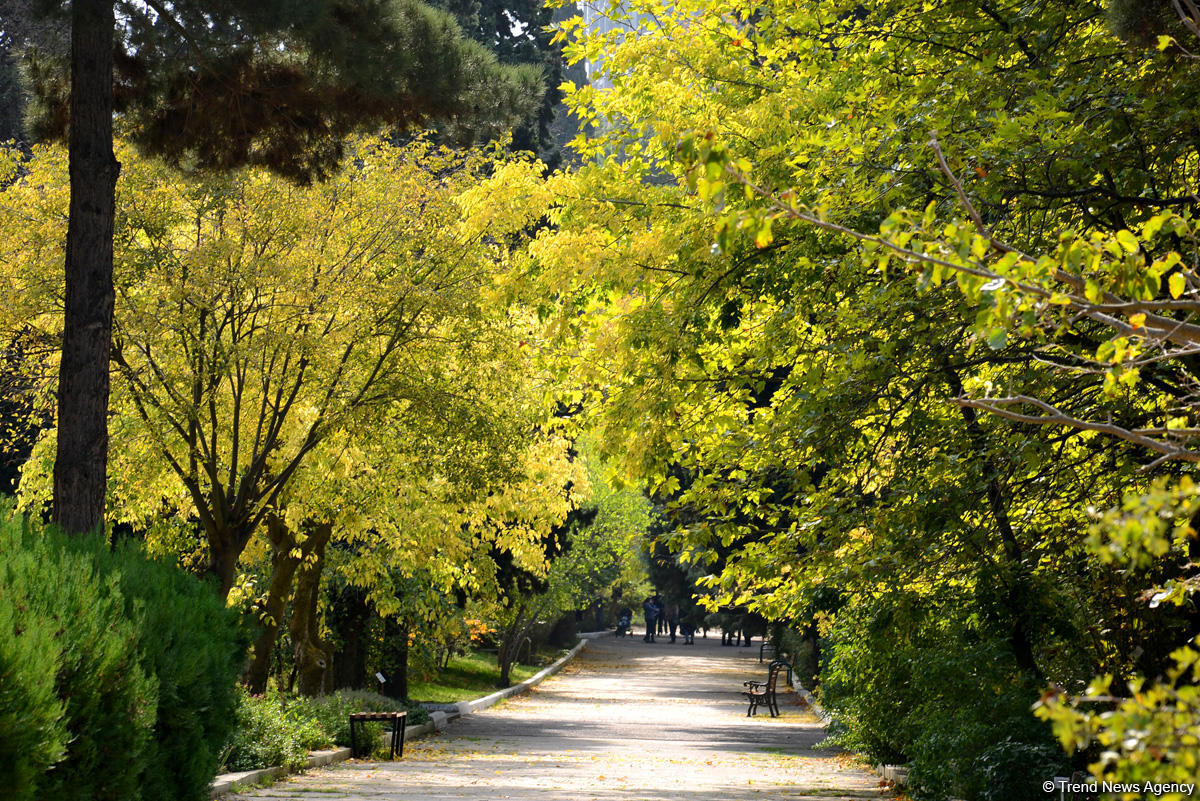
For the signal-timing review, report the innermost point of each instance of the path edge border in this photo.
(227, 782)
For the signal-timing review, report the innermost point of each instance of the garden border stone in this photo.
(227, 782)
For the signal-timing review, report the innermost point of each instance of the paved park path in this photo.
(626, 721)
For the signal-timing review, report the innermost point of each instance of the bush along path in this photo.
(627, 720)
(346, 703)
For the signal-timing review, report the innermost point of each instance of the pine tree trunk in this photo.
(81, 461)
(270, 613)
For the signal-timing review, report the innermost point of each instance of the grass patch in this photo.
(468, 677)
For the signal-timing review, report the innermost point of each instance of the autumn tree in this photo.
(252, 326)
(216, 86)
(743, 316)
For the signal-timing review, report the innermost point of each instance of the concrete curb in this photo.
(226, 782)
(468, 707)
(897, 774)
(811, 700)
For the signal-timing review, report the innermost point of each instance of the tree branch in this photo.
(1055, 416)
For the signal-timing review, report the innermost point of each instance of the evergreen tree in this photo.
(10, 94)
(516, 31)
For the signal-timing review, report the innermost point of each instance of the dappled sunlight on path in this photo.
(629, 721)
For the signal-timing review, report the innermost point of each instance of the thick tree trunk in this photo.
(505, 659)
(270, 613)
(510, 644)
(223, 556)
(350, 660)
(81, 461)
(1021, 639)
(396, 634)
(312, 655)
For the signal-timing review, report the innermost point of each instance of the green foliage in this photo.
(195, 648)
(518, 32)
(12, 101)
(1149, 731)
(89, 739)
(147, 664)
(910, 682)
(266, 734)
(282, 85)
(274, 729)
(332, 712)
(838, 273)
(33, 734)
(463, 678)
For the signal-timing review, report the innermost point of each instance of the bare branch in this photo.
(962, 196)
(1190, 17)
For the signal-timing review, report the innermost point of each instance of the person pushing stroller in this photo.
(624, 621)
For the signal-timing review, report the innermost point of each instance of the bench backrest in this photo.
(777, 667)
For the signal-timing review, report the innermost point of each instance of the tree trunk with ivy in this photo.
(311, 652)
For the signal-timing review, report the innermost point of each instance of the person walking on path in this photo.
(688, 629)
(671, 613)
(651, 610)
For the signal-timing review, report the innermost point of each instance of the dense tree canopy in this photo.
(217, 86)
(803, 365)
(890, 308)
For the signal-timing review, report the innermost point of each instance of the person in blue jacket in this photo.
(651, 610)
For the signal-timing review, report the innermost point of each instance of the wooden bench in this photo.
(762, 693)
(398, 721)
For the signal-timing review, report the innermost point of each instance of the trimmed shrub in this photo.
(266, 734)
(274, 729)
(91, 736)
(33, 735)
(332, 712)
(117, 673)
(195, 647)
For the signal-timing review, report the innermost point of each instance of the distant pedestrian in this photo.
(671, 613)
(688, 629)
(650, 609)
(624, 621)
(662, 618)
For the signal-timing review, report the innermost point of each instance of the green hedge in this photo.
(931, 687)
(195, 647)
(116, 672)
